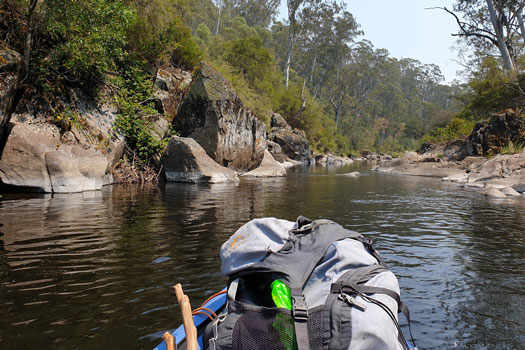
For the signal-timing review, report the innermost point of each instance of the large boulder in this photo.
(293, 142)
(269, 168)
(35, 158)
(184, 160)
(9, 59)
(213, 115)
(491, 135)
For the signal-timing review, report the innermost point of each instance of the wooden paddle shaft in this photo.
(170, 343)
(187, 318)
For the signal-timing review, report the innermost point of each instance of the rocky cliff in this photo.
(213, 115)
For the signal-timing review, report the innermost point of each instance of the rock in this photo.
(170, 85)
(160, 126)
(460, 178)
(353, 174)
(426, 147)
(35, 159)
(293, 142)
(184, 160)
(213, 115)
(509, 191)
(494, 193)
(269, 168)
(276, 151)
(457, 150)
(411, 157)
(498, 167)
(23, 161)
(9, 60)
(72, 169)
(489, 136)
(279, 122)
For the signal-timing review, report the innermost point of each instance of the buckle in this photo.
(299, 309)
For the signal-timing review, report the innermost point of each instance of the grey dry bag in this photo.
(343, 296)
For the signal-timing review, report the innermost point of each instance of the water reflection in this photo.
(94, 269)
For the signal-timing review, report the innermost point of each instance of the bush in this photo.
(186, 53)
(457, 128)
(250, 57)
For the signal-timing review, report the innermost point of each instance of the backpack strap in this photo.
(300, 318)
(355, 281)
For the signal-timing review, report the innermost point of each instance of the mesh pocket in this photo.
(264, 331)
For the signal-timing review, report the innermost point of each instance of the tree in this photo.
(16, 91)
(489, 25)
(293, 6)
(256, 13)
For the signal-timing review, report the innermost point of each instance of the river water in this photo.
(93, 270)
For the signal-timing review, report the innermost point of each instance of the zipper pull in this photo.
(350, 300)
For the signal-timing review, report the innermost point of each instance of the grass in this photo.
(512, 148)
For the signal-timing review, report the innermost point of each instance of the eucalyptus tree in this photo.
(489, 25)
(256, 13)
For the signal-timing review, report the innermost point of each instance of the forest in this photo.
(312, 64)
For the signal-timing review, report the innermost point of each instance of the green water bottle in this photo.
(281, 295)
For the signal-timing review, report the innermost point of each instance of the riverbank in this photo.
(501, 176)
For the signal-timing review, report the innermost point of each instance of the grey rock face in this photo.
(35, 158)
(184, 160)
(269, 168)
(213, 115)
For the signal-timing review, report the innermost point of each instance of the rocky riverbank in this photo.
(474, 163)
(219, 139)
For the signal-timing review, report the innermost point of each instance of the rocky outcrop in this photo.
(293, 142)
(213, 115)
(35, 157)
(170, 85)
(490, 136)
(269, 168)
(331, 160)
(184, 160)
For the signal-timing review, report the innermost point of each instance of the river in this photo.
(93, 270)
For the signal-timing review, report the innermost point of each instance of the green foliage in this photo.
(133, 112)
(250, 57)
(186, 53)
(491, 90)
(456, 129)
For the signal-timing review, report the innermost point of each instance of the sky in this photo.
(407, 30)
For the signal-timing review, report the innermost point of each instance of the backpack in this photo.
(343, 296)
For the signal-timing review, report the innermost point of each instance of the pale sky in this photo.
(407, 30)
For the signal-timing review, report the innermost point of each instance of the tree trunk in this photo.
(291, 42)
(498, 29)
(522, 26)
(219, 5)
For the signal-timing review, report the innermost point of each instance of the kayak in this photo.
(201, 317)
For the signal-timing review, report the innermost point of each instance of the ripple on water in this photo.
(94, 270)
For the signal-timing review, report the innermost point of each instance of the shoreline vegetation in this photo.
(101, 92)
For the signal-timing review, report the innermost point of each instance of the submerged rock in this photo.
(494, 193)
(212, 114)
(269, 168)
(184, 160)
(509, 191)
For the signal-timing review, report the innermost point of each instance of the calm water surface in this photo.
(93, 270)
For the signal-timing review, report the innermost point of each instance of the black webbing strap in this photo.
(300, 317)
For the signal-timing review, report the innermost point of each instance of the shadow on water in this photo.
(93, 270)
